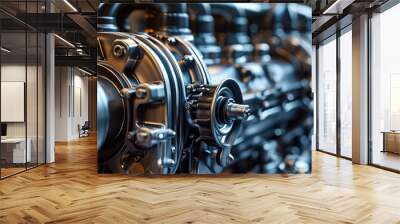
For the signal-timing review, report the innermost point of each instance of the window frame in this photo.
(379, 10)
(334, 37)
(31, 30)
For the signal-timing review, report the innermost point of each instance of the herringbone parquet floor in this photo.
(70, 191)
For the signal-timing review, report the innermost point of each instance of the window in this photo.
(327, 97)
(22, 76)
(385, 89)
(346, 94)
(314, 92)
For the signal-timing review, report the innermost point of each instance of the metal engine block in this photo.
(204, 88)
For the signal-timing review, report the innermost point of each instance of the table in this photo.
(391, 141)
(13, 150)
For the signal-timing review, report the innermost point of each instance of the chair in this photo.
(84, 129)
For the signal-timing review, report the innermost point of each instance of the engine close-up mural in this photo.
(204, 88)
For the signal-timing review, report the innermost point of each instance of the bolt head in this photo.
(141, 93)
(142, 136)
(130, 136)
(169, 162)
(188, 58)
(171, 40)
(119, 50)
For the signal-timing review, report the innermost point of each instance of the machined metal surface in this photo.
(187, 95)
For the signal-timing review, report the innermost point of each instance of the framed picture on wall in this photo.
(12, 101)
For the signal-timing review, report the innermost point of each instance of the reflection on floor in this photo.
(12, 169)
(387, 159)
(71, 191)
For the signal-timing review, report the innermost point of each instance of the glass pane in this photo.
(385, 86)
(41, 98)
(32, 84)
(327, 97)
(314, 91)
(13, 86)
(346, 94)
(23, 82)
(32, 97)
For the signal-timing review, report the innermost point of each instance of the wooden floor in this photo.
(70, 191)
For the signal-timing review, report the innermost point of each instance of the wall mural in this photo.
(204, 88)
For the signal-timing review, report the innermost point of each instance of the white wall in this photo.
(71, 102)
(62, 81)
(80, 110)
(16, 73)
(9, 73)
(33, 127)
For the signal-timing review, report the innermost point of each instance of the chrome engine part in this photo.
(204, 88)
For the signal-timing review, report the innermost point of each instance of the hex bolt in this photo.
(171, 40)
(131, 136)
(143, 136)
(169, 162)
(141, 93)
(187, 60)
(119, 50)
(173, 149)
(128, 92)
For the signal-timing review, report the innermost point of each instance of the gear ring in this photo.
(218, 111)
